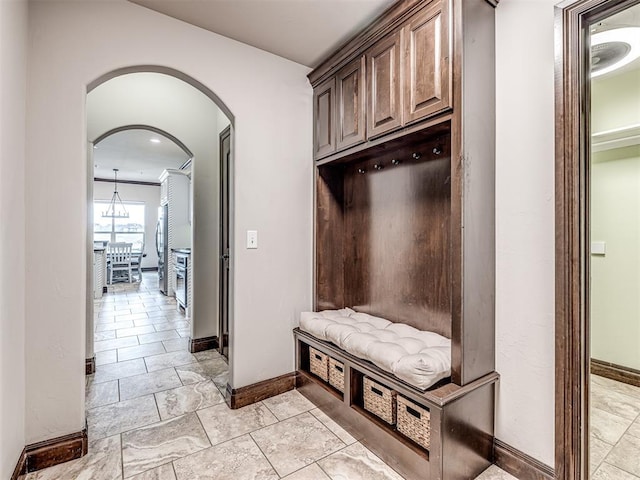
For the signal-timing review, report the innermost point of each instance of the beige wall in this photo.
(615, 276)
(615, 220)
(13, 80)
(525, 246)
(273, 179)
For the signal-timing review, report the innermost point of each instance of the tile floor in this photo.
(155, 411)
(615, 430)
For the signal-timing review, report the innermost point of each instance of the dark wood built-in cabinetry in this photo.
(404, 148)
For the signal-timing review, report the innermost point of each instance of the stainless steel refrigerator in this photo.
(162, 248)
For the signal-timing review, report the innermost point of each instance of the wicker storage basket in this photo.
(414, 422)
(380, 400)
(319, 364)
(336, 374)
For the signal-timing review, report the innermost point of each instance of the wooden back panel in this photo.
(383, 236)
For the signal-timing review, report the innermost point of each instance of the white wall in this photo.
(525, 247)
(13, 82)
(180, 109)
(150, 196)
(74, 43)
(615, 214)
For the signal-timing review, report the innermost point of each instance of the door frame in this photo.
(224, 294)
(572, 175)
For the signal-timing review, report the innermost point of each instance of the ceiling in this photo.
(304, 31)
(629, 17)
(136, 157)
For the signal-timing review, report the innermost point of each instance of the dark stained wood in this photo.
(131, 182)
(384, 100)
(473, 192)
(202, 344)
(329, 244)
(324, 118)
(439, 395)
(224, 289)
(615, 372)
(54, 451)
(519, 464)
(351, 107)
(243, 396)
(389, 21)
(21, 466)
(90, 366)
(383, 235)
(572, 152)
(461, 425)
(427, 63)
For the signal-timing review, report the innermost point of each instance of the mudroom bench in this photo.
(458, 421)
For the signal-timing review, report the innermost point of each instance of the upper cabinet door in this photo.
(324, 135)
(384, 108)
(350, 94)
(427, 62)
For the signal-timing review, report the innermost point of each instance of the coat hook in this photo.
(395, 161)
(378, 167)
(416, 156)
(437, 150)
(361, 170)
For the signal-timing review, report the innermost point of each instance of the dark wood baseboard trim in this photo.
(201, 344)
(21, 466)
(243, 396)
(90, 365)
(51, 452)
(149, 269)
(615, 372)
(519, 464)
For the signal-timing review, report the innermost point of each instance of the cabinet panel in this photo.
(324, 119)
(427, 63)
(384, 111)
(351, 104)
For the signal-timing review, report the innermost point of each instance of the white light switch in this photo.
(598, 248)
(252, 239)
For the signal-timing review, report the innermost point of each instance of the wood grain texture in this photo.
(615, 372)
(572, 149)
(519, 464)
(351, 107)
(202, 344)
(427, 63)
(21, 465)
(243, 396)
(384, 85)
(383, 236)
(52, 452)
(324, 118)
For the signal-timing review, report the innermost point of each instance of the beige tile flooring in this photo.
(155, 411)
(615, 430)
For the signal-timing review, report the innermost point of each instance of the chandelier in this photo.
(116, 207)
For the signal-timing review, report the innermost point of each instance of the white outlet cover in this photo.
(252, 239)
(598, 248)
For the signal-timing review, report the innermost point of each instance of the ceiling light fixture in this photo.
(155, 140)
(613, 49)
(116, 207)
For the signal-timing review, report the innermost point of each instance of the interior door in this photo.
(225, 159)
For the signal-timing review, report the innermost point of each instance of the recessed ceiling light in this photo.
(613, 49)
(155, 140)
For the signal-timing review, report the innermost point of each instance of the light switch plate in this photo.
(598, 248)
(252, 239)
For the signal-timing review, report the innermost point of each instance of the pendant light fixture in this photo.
(116, 207)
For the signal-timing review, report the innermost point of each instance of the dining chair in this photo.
(136, 261)
(120, 256)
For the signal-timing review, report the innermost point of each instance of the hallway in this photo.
(155, 411)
